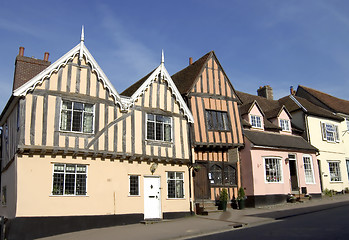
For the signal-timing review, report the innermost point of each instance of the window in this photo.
(77, 117)
(273, 170)
(335, 172)
(217, 120)
(330, 132)
(134, 185)
(347, 121)
(3, 196)
(175, 188)
(69, 179)
(159, 128)
(256, 121)
(216, 175)
(229, 175)
(308, 169)
(285, 125)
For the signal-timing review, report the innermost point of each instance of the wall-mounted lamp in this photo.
(287, 160)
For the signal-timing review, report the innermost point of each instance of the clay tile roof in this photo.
(311, 108)
(26, 69)
(131, 89)
(335, 104)
(185, 78)
(278, 140)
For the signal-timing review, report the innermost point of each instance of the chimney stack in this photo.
(190, 61)
(46, 55)
(266, 92)
(292, 91)
(21, 51)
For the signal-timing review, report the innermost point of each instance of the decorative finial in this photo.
(82, 34)
(162, 56)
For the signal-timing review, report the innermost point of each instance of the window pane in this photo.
(159, 118)
(171, 175)
(150, 117)
(59, 168)
(88, 122)
(88, 108)
(216, 174)
(219, 121)
(179, 175)
(70, 168)
(134, 185)
(159, 130)
(229, 175)
(77, 121)
(81, 184)
(69, 183)
(167, 132)
(66, 105)
(81, 169)
(179, 189)
(66, 120)
(171, 188)
(78, 106)
(150, 130)
(225, 121)
(58, 181)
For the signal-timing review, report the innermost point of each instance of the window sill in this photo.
(159, 143)
(274, 182)
(176, 198)
(336, 181)
(134, 195)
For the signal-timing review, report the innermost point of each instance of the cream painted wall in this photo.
(107, 188)
(329, 151)
(8, 179)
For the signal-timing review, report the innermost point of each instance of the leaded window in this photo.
(335, 171)
(217, 120)
(273, 172)
(308, 169)
(134, 185)
(77, 117)
(256, 121)
(175, 184)
(229, 175)
(216, 174)
(69, 179)
(159, 128)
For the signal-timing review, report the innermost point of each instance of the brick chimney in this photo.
(266, 92)
(190, 61)
(292, 91)
(28, 67)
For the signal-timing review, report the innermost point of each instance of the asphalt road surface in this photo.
(330, 224)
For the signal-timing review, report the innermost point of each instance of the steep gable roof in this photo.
(333, 104)
(138, 88)
(82, 51)
(294, 103)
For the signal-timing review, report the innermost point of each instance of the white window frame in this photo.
(175, 180)
(306, 169)
(279, 160)
(330, 132)
(82, 116)
(347, 122)
(65, 173)
(257, 119)
(285, 125)
(339, 173)
(163, 135)
(138, 187)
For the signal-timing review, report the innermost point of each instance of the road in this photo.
(327, 224)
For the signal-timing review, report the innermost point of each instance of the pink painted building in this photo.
(276, 161)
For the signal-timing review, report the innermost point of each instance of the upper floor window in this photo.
(77, 117)
(308, 169)
(273, 172)
(347, 122)
(159, 128)
(330, 132)
(69, 179)
(285, 125)
(256, 121)
(217, 120)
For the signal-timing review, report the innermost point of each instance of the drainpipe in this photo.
(190, 165)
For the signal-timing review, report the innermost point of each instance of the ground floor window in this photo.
(273, 172)
(134, 185)
(347, 167)
(335, 171)
(175, 185)
(222, 173)
(308, 169)
(69, 179)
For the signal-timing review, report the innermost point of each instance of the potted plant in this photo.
(223, 198)
(241, 198)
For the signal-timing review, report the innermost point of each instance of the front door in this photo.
(201, 187)
(293, 172)
(152, 198)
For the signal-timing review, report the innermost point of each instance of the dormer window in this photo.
(285, 125)
(256, 121)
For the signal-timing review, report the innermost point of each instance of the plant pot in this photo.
(234, 204)
(241, 203)
(224, 205)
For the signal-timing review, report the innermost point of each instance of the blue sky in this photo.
(258, 42)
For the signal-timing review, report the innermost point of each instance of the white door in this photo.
(152, 198)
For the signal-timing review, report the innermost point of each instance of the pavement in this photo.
(215, 222)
